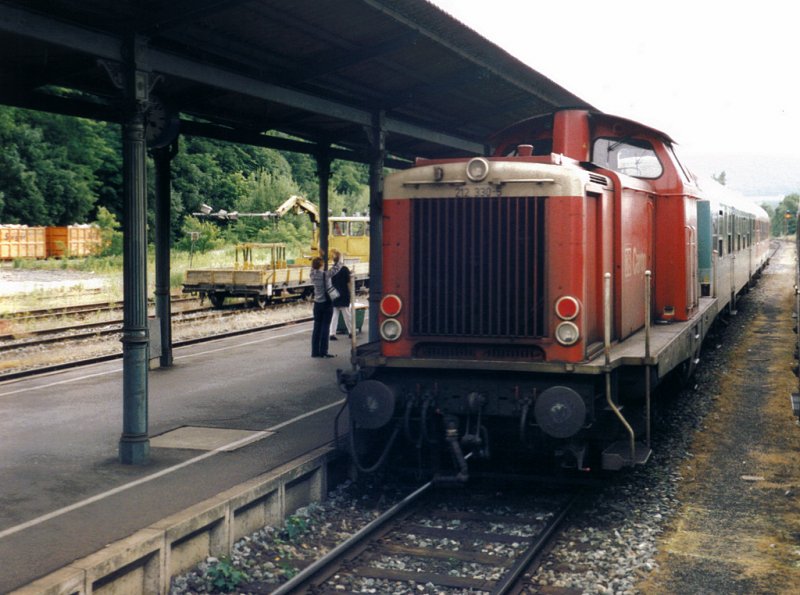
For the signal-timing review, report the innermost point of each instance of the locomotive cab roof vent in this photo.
(598, 179)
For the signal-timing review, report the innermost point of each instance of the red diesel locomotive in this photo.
(533, 299)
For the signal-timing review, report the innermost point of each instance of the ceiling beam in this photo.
(47, 30)
(185, 68)
(102, 45)
(258, 139)
(182, 12)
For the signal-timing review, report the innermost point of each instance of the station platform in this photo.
(241, 430)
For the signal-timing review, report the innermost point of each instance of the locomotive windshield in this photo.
(629, 156)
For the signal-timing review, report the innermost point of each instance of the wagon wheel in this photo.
(216, 299)
(261, 301)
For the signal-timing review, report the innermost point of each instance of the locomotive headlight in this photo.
(567, 333)
(391, 329)
(477, 169)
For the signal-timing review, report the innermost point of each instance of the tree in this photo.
(721, 178)
(784, 218)
(59, 170)
(48, 167)
(207, 235)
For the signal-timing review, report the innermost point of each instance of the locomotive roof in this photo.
(317, 71)
(625, 126)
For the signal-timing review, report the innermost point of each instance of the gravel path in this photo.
(19, 281)
(738, 527)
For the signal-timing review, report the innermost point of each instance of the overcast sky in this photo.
(718, 77)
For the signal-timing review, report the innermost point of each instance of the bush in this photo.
(110, 236)
(199, 236)
(224, 576)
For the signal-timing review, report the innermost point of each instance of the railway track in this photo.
(80, 331)
(78, 310)
(452, 541)
(30, 352)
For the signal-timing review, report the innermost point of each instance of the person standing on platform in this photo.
(340, 279)
(323, 309)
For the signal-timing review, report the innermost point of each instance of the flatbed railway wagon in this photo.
(245, 279)
(273, 280)
(532, 299)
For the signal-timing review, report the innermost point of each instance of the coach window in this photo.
(729, 232)
(629, 156)
(358, 228)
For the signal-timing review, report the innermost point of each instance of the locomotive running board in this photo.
(618, 455)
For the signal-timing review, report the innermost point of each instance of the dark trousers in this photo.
(323, 313)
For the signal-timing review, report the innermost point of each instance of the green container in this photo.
(341, 327)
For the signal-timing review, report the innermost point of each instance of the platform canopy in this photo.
(279, 73)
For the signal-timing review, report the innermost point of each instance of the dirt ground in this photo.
(26, 281)
(738, 530)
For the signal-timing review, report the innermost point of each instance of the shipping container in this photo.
(21, 241)
(73, 241)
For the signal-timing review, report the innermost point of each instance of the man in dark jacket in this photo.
(340, 278)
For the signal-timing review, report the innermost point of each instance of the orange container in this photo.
(72, 241)
(21, 241)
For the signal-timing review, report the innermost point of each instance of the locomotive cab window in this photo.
(629, 156)
(339, 228)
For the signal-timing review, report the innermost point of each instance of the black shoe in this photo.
(333, 338)
(315, 355)
(328, 355)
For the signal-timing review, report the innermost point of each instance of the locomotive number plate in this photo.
(478, 191)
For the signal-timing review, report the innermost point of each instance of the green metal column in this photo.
(163, 159)
(323, 175)
(376, 164)
(134, 445)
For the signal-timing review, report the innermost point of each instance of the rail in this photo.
(648, 288)
(304, 579)
(312, 578)
(117, 355)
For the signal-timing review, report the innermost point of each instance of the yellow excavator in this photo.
(347, 234)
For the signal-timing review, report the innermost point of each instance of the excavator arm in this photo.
(298, 204)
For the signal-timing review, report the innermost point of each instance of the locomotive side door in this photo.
(634, 249)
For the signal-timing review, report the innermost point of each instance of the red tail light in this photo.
(391, 305)
(567, 307)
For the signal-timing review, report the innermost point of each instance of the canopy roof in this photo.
(321, 71)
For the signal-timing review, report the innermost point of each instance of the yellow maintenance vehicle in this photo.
(261, 271)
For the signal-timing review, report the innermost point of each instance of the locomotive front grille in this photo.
(478, 267)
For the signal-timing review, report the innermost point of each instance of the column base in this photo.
(134, 451)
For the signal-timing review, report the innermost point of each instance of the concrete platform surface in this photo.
(226, 412)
